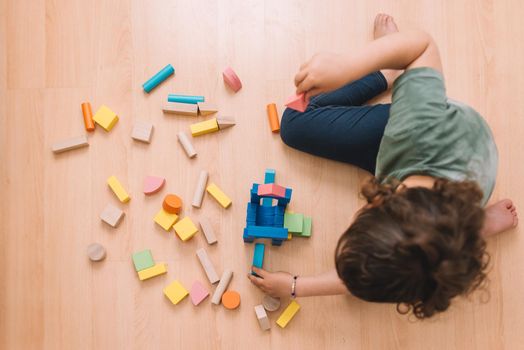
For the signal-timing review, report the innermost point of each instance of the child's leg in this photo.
(335, 126)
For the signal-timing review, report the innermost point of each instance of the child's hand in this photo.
(322, 73)
(276, 284)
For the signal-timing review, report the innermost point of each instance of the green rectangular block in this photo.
(306, 231)
(294, 222)
(143, 260)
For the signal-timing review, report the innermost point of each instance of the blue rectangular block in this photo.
(255, 198)
(269, 178)
(285, 201)
(185, 98)
(277, 233)
(158, 78)
(258, 256)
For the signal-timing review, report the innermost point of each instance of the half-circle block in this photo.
(232, 79)
(153, 184)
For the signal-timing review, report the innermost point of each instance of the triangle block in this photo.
(297, 102)
(225, 122)
(153, 184)
(198, 293)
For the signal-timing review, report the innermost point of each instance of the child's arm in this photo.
(401, 50)
(278, 284)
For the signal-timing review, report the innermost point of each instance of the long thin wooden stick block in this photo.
(208, 231)
(186, 144)
(200, 188)
(181, 108)
(222, 286)
(70, 144)
(211, 273)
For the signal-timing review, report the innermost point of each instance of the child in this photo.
(419, 241)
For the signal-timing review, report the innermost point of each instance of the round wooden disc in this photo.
(172, 204)
(270, 303)
(230, 299)
(96, 252)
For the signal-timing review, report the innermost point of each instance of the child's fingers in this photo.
(306, 85)
(260, 272)
(257, 281)
(300, 76)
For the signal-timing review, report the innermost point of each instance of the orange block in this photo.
(172, 204)
(272, 115)
(231, 299)
(88, 116)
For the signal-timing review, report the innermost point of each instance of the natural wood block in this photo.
(118, 189)
(225, 122)
(70, 144)
(106, 118)
(175, 292)
(262, 318)
(271, 304)
(200, 188)
(153, 271)
(185, 229)
(188, 109)
(288, 313)
(186, 144)
(142, 131)
(220, 196)
(96, 252)
(207, 230)
(206, 263)
(112, 215)
(227, 275)
(207, 108)
(165, 220)
(205, 127)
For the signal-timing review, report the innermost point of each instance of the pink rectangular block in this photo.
(271, 190)
(297, 102)
(198, 293)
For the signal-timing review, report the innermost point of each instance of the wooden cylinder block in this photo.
(272, 115)
(172, 204)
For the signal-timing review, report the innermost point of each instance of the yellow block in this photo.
(165, 220)
(288, 314)
(175, 292)
(220, 196)
(289, 236)
(185, 229)
(105, 117)
(119, 190)
(152, 271)
(204, 127)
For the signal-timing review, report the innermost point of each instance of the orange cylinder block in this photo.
(88, 116)
(172, 204)
(272, 115)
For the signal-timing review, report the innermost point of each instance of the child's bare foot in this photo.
(384, 25)
(500, 217)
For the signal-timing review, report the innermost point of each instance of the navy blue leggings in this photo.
(337, 126)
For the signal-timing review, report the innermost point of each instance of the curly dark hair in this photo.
(418, 247)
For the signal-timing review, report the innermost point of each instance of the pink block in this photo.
(153, 184)
(198, 293)
(232, 79)
(271, 190)
(297, 102)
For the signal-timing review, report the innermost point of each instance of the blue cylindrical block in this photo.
(158, 78)
(185, 98)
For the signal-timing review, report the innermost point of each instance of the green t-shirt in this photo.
(427, 134)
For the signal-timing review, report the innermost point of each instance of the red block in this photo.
(297, 102)
(271, 190)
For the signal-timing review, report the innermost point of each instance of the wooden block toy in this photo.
(269, 178)
(277, 233)
(96, 252)
(208, 231)
(294, 222)
(272, 190)
(271, 304)
(112, 215)
(88, 116)
(262, 318)
(185, 229)
(222, 286)
(225, 122)
(198, 293)
(207, 108)
(258, 256)
(175, 292)
(181, 109)
(172, 203)
(165, 220)
(70, 144)
(143, 260)
(186, 144)
(189, 99)
(231, 79)
(200, 188)
(272, 116)
(289, 236)
(118, 189)
(205, 127)
(288, 313)
(153, 184)
(220, 196)
(297, 102)
(153, 271)
(142, 131)
(206, 263)
(306, 227)
(159, 77)
(231, 299)
(106, 118)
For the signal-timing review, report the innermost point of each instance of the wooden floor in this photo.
(56, 54)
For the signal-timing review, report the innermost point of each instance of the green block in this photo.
(306, 231)
(294, 222)
(143, 260)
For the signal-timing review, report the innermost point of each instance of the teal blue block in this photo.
(185, 98)
(158, 78)
(258, 255)
(294, 222)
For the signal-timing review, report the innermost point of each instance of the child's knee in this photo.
(287, 132)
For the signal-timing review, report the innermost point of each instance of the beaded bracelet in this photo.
(293, 287)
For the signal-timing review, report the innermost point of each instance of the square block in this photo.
(220, 196)
(118, 189)
(204, 127)
(153, 271)
(142, 131)
(175, 292)
(112, 215)
(143, 260)
(294, 222)
(106, 118)
(306, 230)
(185, 229)
(165, 220)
